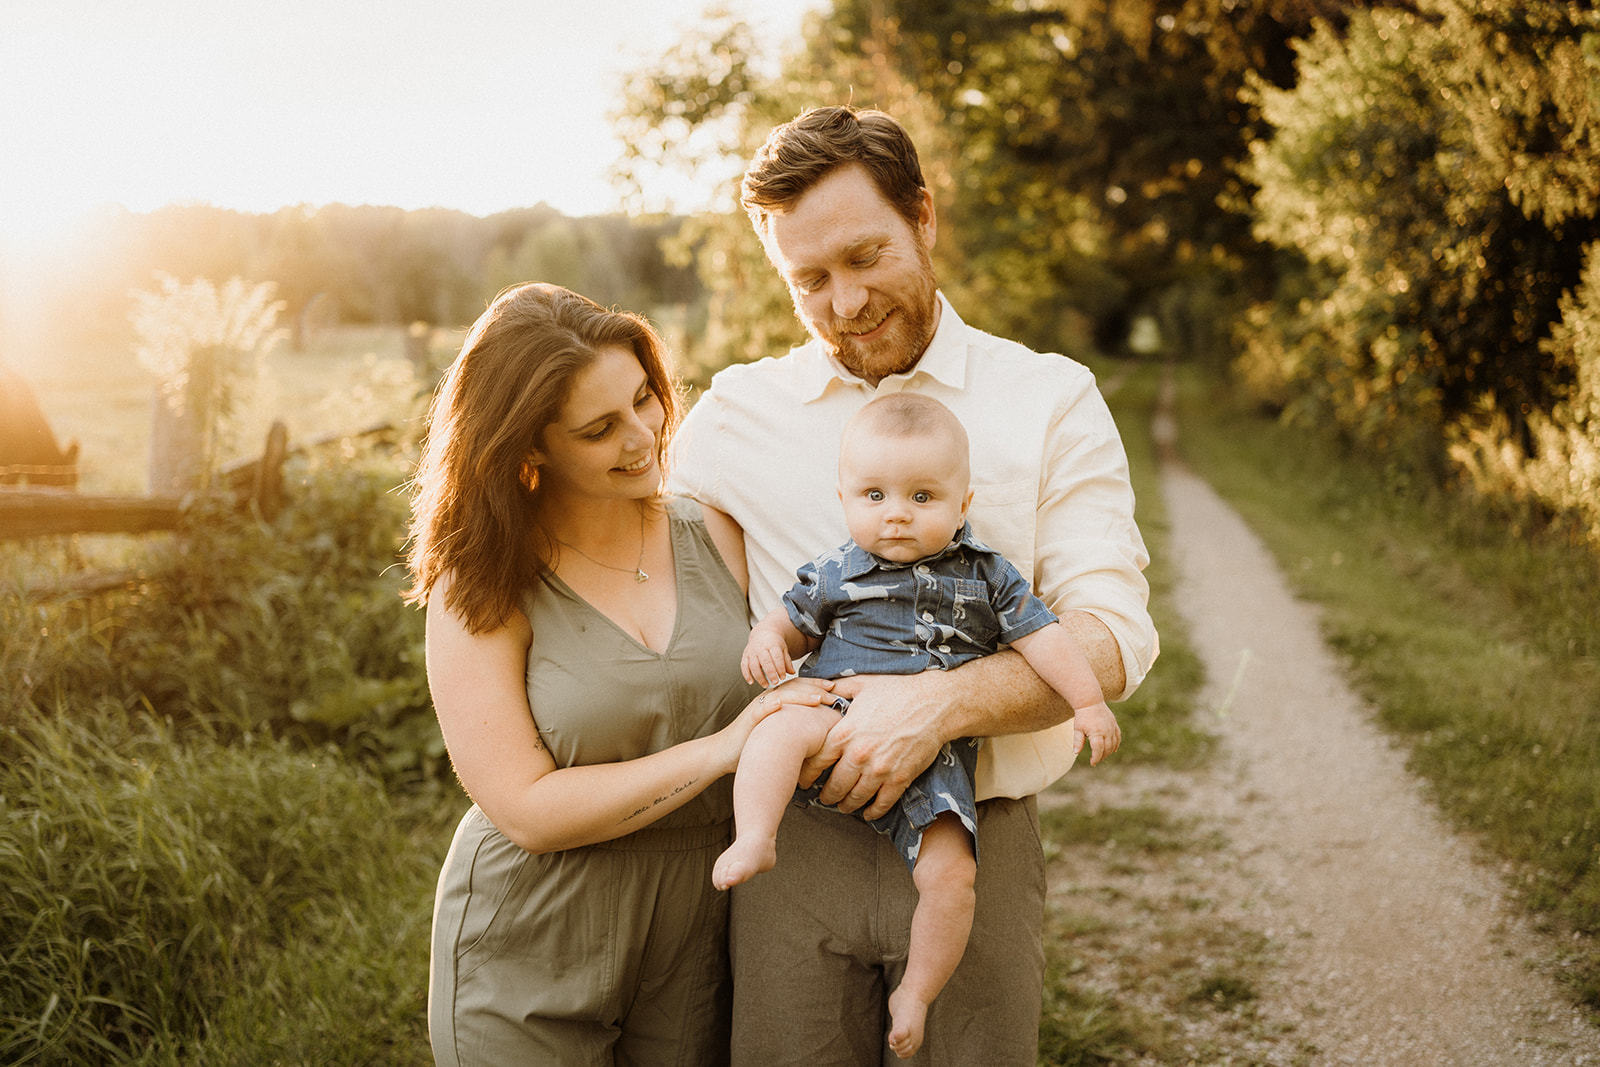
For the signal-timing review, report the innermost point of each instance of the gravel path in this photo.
(1397, 946)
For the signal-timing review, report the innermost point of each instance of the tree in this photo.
(1077, 150)
(1430, 219)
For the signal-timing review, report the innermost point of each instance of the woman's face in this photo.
(606, 442)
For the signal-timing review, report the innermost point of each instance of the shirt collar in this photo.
(944, 360)
(858, 561)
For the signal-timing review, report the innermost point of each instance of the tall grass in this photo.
(294, 627)
(171, 899)
(1477, 642)
(223, 799)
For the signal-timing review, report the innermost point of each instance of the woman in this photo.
(583, 641)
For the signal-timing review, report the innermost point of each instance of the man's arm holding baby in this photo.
(897, 723)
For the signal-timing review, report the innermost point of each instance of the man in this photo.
(838, 200)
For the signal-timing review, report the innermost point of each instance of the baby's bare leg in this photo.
(769, 767)
(940, 925)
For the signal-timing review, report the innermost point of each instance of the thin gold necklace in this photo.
(637, 569)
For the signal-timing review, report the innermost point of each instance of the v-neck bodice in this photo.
(600, 696)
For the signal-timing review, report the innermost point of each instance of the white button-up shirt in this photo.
(1050, 477)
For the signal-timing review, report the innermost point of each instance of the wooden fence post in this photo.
(175, 452)
(267, 491)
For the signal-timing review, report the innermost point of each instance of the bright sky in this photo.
(480, 105)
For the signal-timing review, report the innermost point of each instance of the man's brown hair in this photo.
(800, 153)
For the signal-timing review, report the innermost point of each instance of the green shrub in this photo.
(152, 888)
(294, 627)
(1429, 180)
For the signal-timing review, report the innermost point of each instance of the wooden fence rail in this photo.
(33, 512)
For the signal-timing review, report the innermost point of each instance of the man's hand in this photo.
(889, 736)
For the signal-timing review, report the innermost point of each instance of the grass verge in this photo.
(181, 900)
(1477, 642)
(1099, 1004)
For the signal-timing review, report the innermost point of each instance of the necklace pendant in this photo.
(640, 576)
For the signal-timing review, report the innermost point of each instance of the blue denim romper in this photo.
(875, 616)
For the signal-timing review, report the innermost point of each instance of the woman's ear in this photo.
(528, 474)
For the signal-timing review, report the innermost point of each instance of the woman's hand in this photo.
(796, 692)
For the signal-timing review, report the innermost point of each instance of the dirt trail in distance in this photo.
(1395, 945)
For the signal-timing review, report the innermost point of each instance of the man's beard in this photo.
(900, 348)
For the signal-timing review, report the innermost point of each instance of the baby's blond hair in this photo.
(907, 415)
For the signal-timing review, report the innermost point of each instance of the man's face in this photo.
(861, 277)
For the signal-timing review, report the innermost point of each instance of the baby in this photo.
(912, 590)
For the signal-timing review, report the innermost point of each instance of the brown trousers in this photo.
(820, 941)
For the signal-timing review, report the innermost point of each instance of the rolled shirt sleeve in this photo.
(1090, 556)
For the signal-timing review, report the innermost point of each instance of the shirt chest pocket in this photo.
(954, 616)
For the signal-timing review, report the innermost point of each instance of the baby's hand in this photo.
(766, 659)
(1096, 723)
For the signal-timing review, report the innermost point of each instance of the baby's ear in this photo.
(967, 503)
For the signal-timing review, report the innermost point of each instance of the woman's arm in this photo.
(479, 694)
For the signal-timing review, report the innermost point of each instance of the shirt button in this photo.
(927, 616)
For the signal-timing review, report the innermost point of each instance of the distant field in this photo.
(346, 379)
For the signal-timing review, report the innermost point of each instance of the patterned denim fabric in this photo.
(879, 617)
(945, 786)
(875, 616)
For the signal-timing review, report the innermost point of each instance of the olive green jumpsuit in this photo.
(613, 953)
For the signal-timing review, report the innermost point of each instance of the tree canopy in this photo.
(1380, 214)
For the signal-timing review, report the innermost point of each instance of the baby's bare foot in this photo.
(907, 1014)
(742, 861)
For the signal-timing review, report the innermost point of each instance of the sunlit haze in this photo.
(477, 105)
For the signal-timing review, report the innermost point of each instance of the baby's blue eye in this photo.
(875, 495)
(921, 498)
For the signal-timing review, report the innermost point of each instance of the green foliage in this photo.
(240, 626)
(1429, 178)
(1560, 473)
(349, 264)
(1476, 642)
(1076, 152)
(167, 900)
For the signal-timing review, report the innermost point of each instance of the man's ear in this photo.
(927, 221)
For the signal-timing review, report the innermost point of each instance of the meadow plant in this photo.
(223, 796)
(294, 628)
(149, 881)
(207, 343)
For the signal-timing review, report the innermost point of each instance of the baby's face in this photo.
(904, 497)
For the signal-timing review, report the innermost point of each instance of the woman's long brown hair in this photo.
(474, 498)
